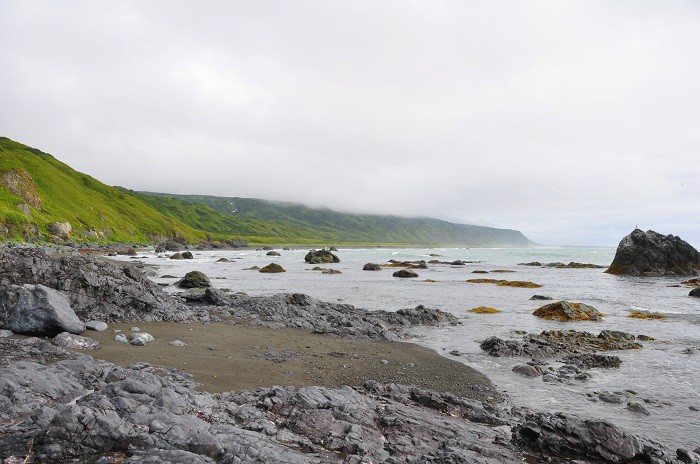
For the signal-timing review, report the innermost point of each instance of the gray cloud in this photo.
(571, 121)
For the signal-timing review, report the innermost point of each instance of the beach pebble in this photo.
(98, 326)
(141, 339)
(121, 338)
(135, 329)
(5, 333)
(76, 342)
(177, 343)
(384, 361)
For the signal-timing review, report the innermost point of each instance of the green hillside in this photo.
(334, 227)
(36, 190)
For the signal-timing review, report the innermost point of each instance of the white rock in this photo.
(121, 338)
(141, 339)
(99, 326)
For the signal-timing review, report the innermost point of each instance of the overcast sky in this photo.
(572, 121)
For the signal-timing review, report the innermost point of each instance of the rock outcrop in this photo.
(272, 268)
(60, 229)
(652, 254)
(194, 279)
(78, 409)
(97, 289)
(565, 311)
(321, 256)
(304, 312)
(37, 310)
(559, 342)
(405, 273)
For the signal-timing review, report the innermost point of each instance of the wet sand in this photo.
(226, 357)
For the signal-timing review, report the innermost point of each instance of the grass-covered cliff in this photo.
(281, 219)
(37, 190)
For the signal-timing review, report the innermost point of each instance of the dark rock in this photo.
(371, 267)
(540, 297)
(37, 310)
(268, 248)
(187, 255)
(420, 315)
(527, 371)
(332, 248)
(637, 407)
(330, 271)
(177, 256)
(563, 436)
(222, 260)
(695, 292)
(556, 342)
(649, 253)
(592, 360)
(304, 312)
(273, 253)
(75, 342)
(321, 256)
(458, 262)
(272, 268)
(194, 279)
(405, 273)
(565, 311)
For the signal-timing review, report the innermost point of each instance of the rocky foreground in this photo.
(60, 406)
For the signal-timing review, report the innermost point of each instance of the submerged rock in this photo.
(565, 311)
(330, 271)
(321, 256)
(559, 342)
(484, 310)
(177, 256)
(37, 310)
(194, 279)
(405, 273)
(187, 255)
(76, 342)
(650, 253)
(371, 267)
(272, 268)
(695, 292)
(272, 253)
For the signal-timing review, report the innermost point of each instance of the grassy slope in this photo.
(123, 215)
(337, 227)
(68, 195)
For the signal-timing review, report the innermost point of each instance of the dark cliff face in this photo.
(651, 253)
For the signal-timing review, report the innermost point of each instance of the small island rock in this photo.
(650, 253)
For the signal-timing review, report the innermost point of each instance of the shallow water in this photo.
(660, 371)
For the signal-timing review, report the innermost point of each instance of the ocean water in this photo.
(660, 371)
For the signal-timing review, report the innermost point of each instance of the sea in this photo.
(665, 371)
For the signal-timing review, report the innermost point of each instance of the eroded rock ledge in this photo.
(79, 410)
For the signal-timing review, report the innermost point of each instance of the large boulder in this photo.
(272, 268)
(321, 256)
(405, 273)
(37, 310)
(194, 279)
(650, 253)
(60, 229)
(96, 288)
(564, 311)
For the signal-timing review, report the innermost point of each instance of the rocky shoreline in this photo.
(60, 405)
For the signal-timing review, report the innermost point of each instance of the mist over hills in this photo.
(38, 191)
